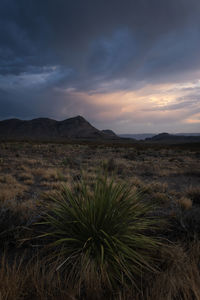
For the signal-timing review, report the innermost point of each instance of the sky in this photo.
(132, 66)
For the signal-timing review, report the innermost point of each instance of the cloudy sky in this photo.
(129, 65)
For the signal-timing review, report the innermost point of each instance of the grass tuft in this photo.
(100, 235)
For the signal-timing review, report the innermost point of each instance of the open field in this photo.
(167, 176)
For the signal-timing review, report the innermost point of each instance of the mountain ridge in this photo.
(45, 128)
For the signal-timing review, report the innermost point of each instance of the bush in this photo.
(110, 165)
(100, 236)
(10, 225)
(194, 194)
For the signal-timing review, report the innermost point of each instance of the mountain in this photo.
(173, 139)
(44, 128)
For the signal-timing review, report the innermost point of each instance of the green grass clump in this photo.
(100, 235)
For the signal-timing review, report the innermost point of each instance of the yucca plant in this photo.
(100, 235)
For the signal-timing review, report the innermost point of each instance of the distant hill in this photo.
(109, 133)
(173, 139)
(137, 136)
(188, 134)
(44, 128)
(143, 136)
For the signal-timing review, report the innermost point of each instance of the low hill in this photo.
(109, 133)
(173, 139)
(44, 128)
(137, 136)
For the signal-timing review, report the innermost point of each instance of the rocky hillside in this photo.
(44, 128)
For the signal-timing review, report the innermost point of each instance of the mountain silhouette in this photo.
(44, 128)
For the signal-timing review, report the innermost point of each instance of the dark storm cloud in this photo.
(96, 46)
(91, 35)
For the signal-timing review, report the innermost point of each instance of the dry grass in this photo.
(32, 280)
(8, 179)
(170, 176)
(12, 280)
(161, 198)
(45, 174)
(180, 279)
(24, 176)
(11, 193)
(160, 172)
(185, 203)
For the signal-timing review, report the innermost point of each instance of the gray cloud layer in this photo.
(91, 45)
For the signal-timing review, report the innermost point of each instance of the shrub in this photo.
(110, 165)
(185, 225)
(10, 224)
(185, 203)
(191, 221)
(180, 277)
(100, 236)
(113, 166)
(194, 194)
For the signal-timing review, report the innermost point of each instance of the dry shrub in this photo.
(180, 279)
(13, 216)
(192, 170)
(10, 191)
(23, 167)
(21, 280)
(49, 184)
(12, 280)
(31, 162)
(157, 186)
(116, 166)
(26, 209)
(193, 192)
(191, 221)
(131, 155)
(136, 181)
(161, 198)
(29, 182)
(110, 165)
(7, 193)
(185, 203)
(10, 225)
(164, 172)
(25, 176)
(8, 179)
(46, 174)
(72, 162)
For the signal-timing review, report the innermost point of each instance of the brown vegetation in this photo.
(166, 175)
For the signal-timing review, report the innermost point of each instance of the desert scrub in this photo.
(100, 236)
(10, 223)
(22, 279)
